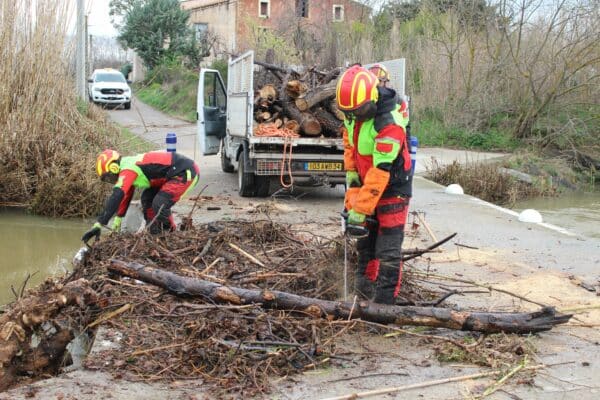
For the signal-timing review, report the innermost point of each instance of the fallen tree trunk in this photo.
(19, 322)
(486, 322)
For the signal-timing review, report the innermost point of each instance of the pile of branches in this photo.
(231, 344)
(300, 103)
(235, 348)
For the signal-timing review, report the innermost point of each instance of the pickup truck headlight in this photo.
(127, 91)
(96, 89)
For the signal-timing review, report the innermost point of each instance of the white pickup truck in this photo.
(225, 123)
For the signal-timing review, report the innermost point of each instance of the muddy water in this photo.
(35, 245)
(577, 212)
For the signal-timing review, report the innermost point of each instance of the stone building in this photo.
(231, 21)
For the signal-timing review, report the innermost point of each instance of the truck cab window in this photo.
(214, 95)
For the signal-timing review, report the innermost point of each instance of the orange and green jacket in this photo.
(379, 151)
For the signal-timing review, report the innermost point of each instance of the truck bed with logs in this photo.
(277, 126)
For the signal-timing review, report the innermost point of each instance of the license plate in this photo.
(323, 166)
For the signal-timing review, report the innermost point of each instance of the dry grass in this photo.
(48, 139)
(486, 182)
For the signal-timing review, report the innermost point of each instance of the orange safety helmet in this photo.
(381, 72)
(107, 162)
(356, 87)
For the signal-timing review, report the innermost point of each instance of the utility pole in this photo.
(80, 51)
(90, 53)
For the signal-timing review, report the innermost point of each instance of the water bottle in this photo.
(414, 144)
(171, 141)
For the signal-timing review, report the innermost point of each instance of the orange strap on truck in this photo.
(271, 130)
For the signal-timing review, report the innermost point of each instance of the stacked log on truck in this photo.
(300, 104)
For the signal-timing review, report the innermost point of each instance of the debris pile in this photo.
(230, 345)
(237, 348)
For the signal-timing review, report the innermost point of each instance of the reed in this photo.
(487, 182)
(48, 137)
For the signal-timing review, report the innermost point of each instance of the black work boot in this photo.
(386, 285)
(365, 288)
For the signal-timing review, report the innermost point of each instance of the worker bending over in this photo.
(165, 177)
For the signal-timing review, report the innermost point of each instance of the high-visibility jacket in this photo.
(379, 151)
(152, 169)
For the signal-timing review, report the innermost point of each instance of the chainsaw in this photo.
(352, 231)
(357, 231)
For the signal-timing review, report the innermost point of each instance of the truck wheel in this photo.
(226, 164)
(263, 184)
(246, 183)
(128, 105)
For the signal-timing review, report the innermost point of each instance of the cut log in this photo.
(331, 125)
(296, 89)
(333, 108)
(292, 125)
(331, 75)
(315, 96)
(262, 116)
(309, 125)
(268, 93)
(487, 322)
(19, 321)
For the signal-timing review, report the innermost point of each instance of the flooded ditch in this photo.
(35, 246)
(577, 212)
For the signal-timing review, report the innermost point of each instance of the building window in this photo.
(302, 8)
(263, 8)
(338, 13)
(201, 31)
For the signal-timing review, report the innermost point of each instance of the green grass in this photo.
(433, 133)
(177, 100)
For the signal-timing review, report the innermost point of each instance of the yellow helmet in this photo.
(380, 71)
(108, 162)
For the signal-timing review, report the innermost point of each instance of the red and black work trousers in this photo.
(157, 201)
(380, 253)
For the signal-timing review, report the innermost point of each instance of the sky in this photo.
(98, 18)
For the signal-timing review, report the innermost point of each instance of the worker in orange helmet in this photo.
(165, 177)
(378, 179)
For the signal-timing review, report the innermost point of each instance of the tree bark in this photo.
(541, 320)
(333, 108)
(309, 125)
(315, 96)
(296, 89)
(17, 325)
(331, 125)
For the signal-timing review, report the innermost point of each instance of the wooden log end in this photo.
(311, 127)
(302, 104)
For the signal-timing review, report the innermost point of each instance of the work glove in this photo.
(95, 231)
(356, 218)
(117, 224)
(352, 179)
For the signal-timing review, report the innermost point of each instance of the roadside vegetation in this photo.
(48, 138)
